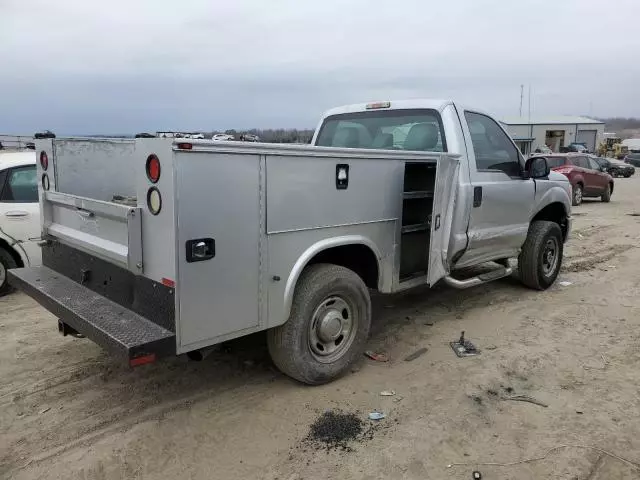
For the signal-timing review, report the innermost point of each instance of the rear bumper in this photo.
(110, 325)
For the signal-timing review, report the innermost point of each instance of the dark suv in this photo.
(633, 159)
(586, 176)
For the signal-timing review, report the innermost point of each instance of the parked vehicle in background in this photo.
(249, 137)
(585, 175)
(392, 195)
(612, 147)
(19, 213)
(197, 136)
(222, 137)
(45, 134)
(633, 159)
(542, 150)
(578, 148)
(615, 168)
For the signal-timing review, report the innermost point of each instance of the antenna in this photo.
(529, 103)
(521, 97)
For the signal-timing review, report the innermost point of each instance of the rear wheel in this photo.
(328, 327)
(6, 262)
(541, 257)
(606, 196)
(627, 175)
(577, 194)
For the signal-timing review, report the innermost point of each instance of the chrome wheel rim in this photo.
(550, 256)
(578, 194)
(332, 329)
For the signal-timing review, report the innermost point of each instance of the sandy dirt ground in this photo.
(69, 411)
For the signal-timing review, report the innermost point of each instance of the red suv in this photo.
(587, 177)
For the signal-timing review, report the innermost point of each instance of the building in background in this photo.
(554, 132)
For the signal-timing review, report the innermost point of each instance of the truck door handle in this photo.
(200, 249)
(477, 196)
(16, 214)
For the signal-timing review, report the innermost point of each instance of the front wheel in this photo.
(541, 256)
(577, 195)
(328, 327)
(606, 196)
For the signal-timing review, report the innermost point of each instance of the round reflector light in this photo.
(44, 160)
(153, 168)
(45, 182)
(154, 200)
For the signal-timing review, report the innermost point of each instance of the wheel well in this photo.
(358, 258)
(554, 212)
(5, 246)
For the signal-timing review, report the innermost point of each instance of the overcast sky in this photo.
(124, 66)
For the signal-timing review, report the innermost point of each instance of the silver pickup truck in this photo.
(157, 247)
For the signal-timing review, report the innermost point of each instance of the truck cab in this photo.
(158, 246)
(496, 198)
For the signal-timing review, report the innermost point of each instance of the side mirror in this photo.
(536, 167)
(603, 169)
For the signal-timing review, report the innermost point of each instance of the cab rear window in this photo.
(414, 130)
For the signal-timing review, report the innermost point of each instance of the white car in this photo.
(222, 137)
(19, 213)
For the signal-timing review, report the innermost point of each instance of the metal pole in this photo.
(521, 97)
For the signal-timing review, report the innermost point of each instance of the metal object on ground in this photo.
(378, 357)
(464, 348)
(416, 354)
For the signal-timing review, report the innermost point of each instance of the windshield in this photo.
(555, 162)
(417, 130)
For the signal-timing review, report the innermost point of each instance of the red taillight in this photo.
(563, 170)
(153, 168)
(185, 146)
(167, 282)
(44, 160)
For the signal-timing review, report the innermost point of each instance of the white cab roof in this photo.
(418, 103)
(9, 159)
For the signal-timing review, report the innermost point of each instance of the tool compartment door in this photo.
(442, 216)
(218, 205)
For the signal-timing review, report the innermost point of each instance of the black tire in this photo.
(6, 262)
(290, 343)
(532, 260)
(606, 196)
(577, 196)
(627, 175)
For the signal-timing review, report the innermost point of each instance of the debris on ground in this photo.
(490, 347)
(565, 283)
(464, 348)
(376, 416)
(387, 393)
(477, 475)
(525, 398)
(378, 357)
(416, 354)
(45, 410)
(334, 429)
(429, 324)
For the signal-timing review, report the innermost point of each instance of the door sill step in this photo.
(478, 280)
